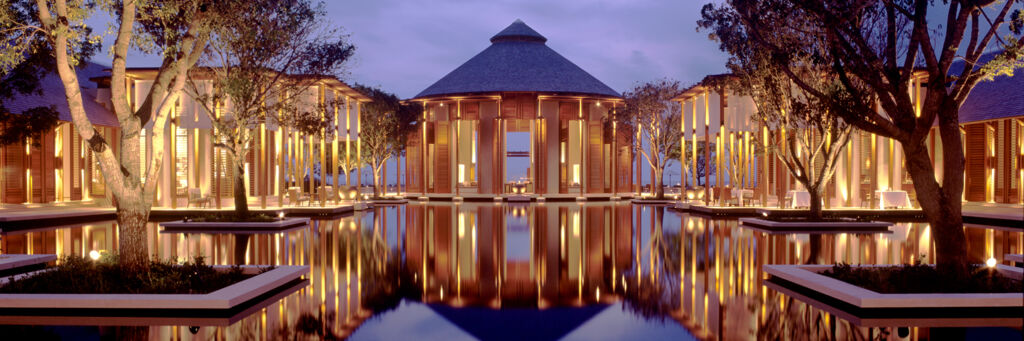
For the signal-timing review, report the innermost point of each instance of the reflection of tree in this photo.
(654, 297)
(790, 319)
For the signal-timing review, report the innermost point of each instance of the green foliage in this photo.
(77, 275)
(923, 278)
(649, 108)
(25, 57)
(385, 125)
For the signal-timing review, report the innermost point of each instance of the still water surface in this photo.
(593, 271)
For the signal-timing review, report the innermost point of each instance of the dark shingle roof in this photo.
(52, 93)
(518, 60)
(999, 98)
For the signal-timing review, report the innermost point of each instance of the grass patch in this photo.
(232, 218)
(78, 275)
(921, 278)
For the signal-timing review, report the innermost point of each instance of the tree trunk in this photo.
(132, 216)
(942, 204)
(815, 206)
(241, 198)
(658, 188)
(376, 180)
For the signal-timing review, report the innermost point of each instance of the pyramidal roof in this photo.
(518, 60)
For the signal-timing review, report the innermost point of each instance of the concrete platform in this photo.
(643, 201)
(815, 227)
(1014, 258)
(234, 227)
(395, 201)
(12, 264)
(991, 214)
(18, 219)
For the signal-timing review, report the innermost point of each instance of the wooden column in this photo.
(359, 147)
(707, 150)
(682, 150)
(334, 148)
(723, 103)
(693, 141)
(423, 150)
(457, 141)
(262, 183)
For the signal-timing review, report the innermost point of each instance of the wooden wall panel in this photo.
(540, 157)
(442, 165)
(414, 162)
(595, 157)
(974, 182)
(49, 178)
(14, 174)
(624, 162)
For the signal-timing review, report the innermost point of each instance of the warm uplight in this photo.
(991, 262)
(597, 294)
(94, 254)
(280, 215)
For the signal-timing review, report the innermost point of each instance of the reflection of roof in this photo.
(53, 95)
(518, 60)
(1001, 97)
(518, 324)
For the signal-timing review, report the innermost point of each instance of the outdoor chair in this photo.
(331, 194)
(195, 196)
(296, 196)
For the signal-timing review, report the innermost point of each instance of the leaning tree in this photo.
(261, 67)
(650, 111)
(385, 124)
(806, 137)
(884, 46)
(177, 30)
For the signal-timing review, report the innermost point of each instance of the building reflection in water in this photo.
(704, 274)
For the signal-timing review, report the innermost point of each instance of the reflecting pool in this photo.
(548, 271)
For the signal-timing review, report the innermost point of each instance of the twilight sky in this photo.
(404, 46)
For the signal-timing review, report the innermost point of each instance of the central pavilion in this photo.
(519, 86)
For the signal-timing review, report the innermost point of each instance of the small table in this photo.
(743, 194)
(800, 198)
(893, 199)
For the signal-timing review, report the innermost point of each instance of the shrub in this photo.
(923, 278)
(78, 275)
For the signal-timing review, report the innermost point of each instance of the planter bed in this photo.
(191, 226)
(724, 211)
(889, 214)
(805, 226)
(147, 317)
(13, 264)
(644, 201)
(808, 281)
(389, 201)
(227, 301)
(681, 206)
(893, 316)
